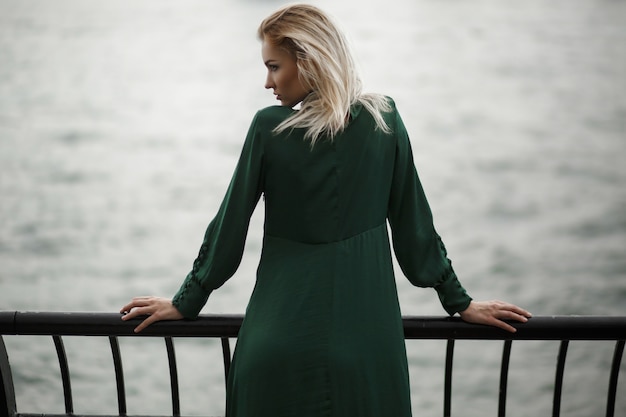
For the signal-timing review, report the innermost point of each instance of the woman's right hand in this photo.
(493, 313)
(157, 308)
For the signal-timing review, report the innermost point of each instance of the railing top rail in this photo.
(415, 327)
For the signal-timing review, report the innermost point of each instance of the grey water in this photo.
(121, 122)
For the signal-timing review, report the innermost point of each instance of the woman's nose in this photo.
(269, 83)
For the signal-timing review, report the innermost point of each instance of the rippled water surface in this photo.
(121, 122)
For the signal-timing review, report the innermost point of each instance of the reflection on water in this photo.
(120, 124)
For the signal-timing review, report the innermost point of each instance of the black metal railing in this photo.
(226, 327)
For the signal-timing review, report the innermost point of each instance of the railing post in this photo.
(65, 374)
(119, 375)
(8, 407)
(447, 390)
(171, 359)
(504, 377)
(226, 356)
(558, 380)
(612, 395)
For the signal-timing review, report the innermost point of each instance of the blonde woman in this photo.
(322, 335)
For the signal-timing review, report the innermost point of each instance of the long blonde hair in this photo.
(325, 67)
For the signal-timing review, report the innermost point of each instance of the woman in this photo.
(322, 335)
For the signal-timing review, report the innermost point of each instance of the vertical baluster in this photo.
(171, 358)
(447, 394)
(65, 374)
(8, 406)
(558, 383)
(617, 360)
(504, 377)
(226, 355)
(119, 375)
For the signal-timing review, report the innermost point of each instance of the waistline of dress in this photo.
(376, 229)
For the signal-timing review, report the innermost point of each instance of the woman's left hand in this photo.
(156, 308)
(493, 312)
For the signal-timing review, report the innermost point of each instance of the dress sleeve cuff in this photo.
(190, 298)
(452, 295)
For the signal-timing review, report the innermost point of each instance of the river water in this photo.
(121, 122)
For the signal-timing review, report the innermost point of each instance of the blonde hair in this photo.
(325, 67)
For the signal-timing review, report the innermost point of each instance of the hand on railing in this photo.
(157, 308)
(493, 312)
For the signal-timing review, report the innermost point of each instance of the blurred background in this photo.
(121, 123)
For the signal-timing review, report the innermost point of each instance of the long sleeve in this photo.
(419, 250)
(222, 248)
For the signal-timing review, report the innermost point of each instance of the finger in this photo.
(145, 323)
(138, 311)
(127, 315)
(518, 310)
(127, 308)
(512, 315)
(508, 327)
(523, 312)
(500, 307)
(136, 302)
(503, 325)
(152, 318)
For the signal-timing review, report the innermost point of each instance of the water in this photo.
(121, 122)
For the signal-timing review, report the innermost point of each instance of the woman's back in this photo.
(331, 191)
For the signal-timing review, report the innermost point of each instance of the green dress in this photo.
(322, 334)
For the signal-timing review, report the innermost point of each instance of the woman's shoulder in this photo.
(379, 103)
(385, 105)
(392, 103)
(384, 97)
(273, 115)
(266, 119)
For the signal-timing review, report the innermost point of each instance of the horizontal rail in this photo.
(225, 327)
(415, 327)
